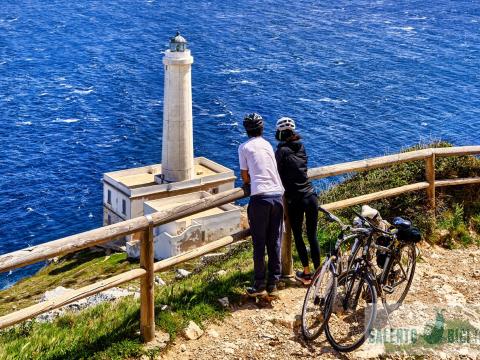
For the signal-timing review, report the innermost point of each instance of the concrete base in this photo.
(191, 232)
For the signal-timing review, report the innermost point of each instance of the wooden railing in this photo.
(145, 225)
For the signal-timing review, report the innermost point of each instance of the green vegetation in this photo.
(110, 330)
(458, 207)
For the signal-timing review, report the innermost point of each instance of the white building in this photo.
(127, 193)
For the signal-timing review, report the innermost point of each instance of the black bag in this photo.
(407, 232)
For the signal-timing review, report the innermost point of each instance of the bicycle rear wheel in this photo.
(400, 276)
(353, 311)
(316, 306)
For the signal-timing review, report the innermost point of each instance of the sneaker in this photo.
(304, 278)
(272, 290)
(256, 291)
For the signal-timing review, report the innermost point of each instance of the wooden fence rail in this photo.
(145, 225)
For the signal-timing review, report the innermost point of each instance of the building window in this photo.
(124, 207)
(215, 191)
(109, 197)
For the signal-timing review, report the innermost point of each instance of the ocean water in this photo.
(81, 89)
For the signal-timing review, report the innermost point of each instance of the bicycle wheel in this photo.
(316, 306)
(353, 312)
(400, 276)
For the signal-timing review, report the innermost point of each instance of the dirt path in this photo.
(446, 289)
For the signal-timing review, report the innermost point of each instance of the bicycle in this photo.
(353, 307)
(316, 307)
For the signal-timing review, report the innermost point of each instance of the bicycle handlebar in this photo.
(334, 218)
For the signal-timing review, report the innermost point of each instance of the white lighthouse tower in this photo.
(177, 144)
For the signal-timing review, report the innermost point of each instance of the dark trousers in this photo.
(265, 215)
(298, 209)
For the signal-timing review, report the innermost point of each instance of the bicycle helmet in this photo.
(253, 121)
(285, 123)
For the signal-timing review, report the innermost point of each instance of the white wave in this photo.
(424, 124)
(333, 101)
(90, 215)
(66, 86)
(418, 18)
(43, 94)
(236, 71)
(218, 115)
(66, 121)
(403, 28)
(235, 123)
(29, 209)
(83, 91)
(23, 123)
(104, 145)
(305, 100)
(248, 82)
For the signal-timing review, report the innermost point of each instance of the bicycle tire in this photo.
(336, 328)
(322, 303)
(413, 253)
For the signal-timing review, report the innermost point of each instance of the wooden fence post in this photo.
(147, 306)
(430, 175)
(287, 260)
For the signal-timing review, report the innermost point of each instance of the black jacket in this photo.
(292, 167)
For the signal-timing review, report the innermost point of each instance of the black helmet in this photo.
(252, 122)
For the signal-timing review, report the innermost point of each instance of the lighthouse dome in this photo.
(178, 43)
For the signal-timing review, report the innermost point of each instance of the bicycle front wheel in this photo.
(353, 311)
(316, 306)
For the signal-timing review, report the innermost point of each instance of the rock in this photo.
(192, 331)
(229, 351)
(288, 320)
(476, 274)
(221, 273)
(212, 333)
(181, 274)
(107, 295)
(52, 294)
(183, 348)
(160, 341)
(224, 302)
(159, 281)
(53, 260)
(209, 258)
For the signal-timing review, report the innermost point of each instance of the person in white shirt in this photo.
(265, 210)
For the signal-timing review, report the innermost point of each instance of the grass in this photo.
(110, 331)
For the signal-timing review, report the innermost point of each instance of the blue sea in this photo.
(81, 90)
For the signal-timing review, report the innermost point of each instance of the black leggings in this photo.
(307, 206)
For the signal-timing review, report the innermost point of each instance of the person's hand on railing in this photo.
(246, 189)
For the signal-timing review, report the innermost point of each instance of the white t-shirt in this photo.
(256, 155)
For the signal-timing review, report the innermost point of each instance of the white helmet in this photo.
(285, 123)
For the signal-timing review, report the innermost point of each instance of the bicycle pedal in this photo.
(388, 289)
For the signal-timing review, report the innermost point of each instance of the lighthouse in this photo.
(179, 179)
(177, 144)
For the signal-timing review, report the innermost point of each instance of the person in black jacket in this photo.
(300, 194)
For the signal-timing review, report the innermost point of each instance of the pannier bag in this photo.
(407, 232)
